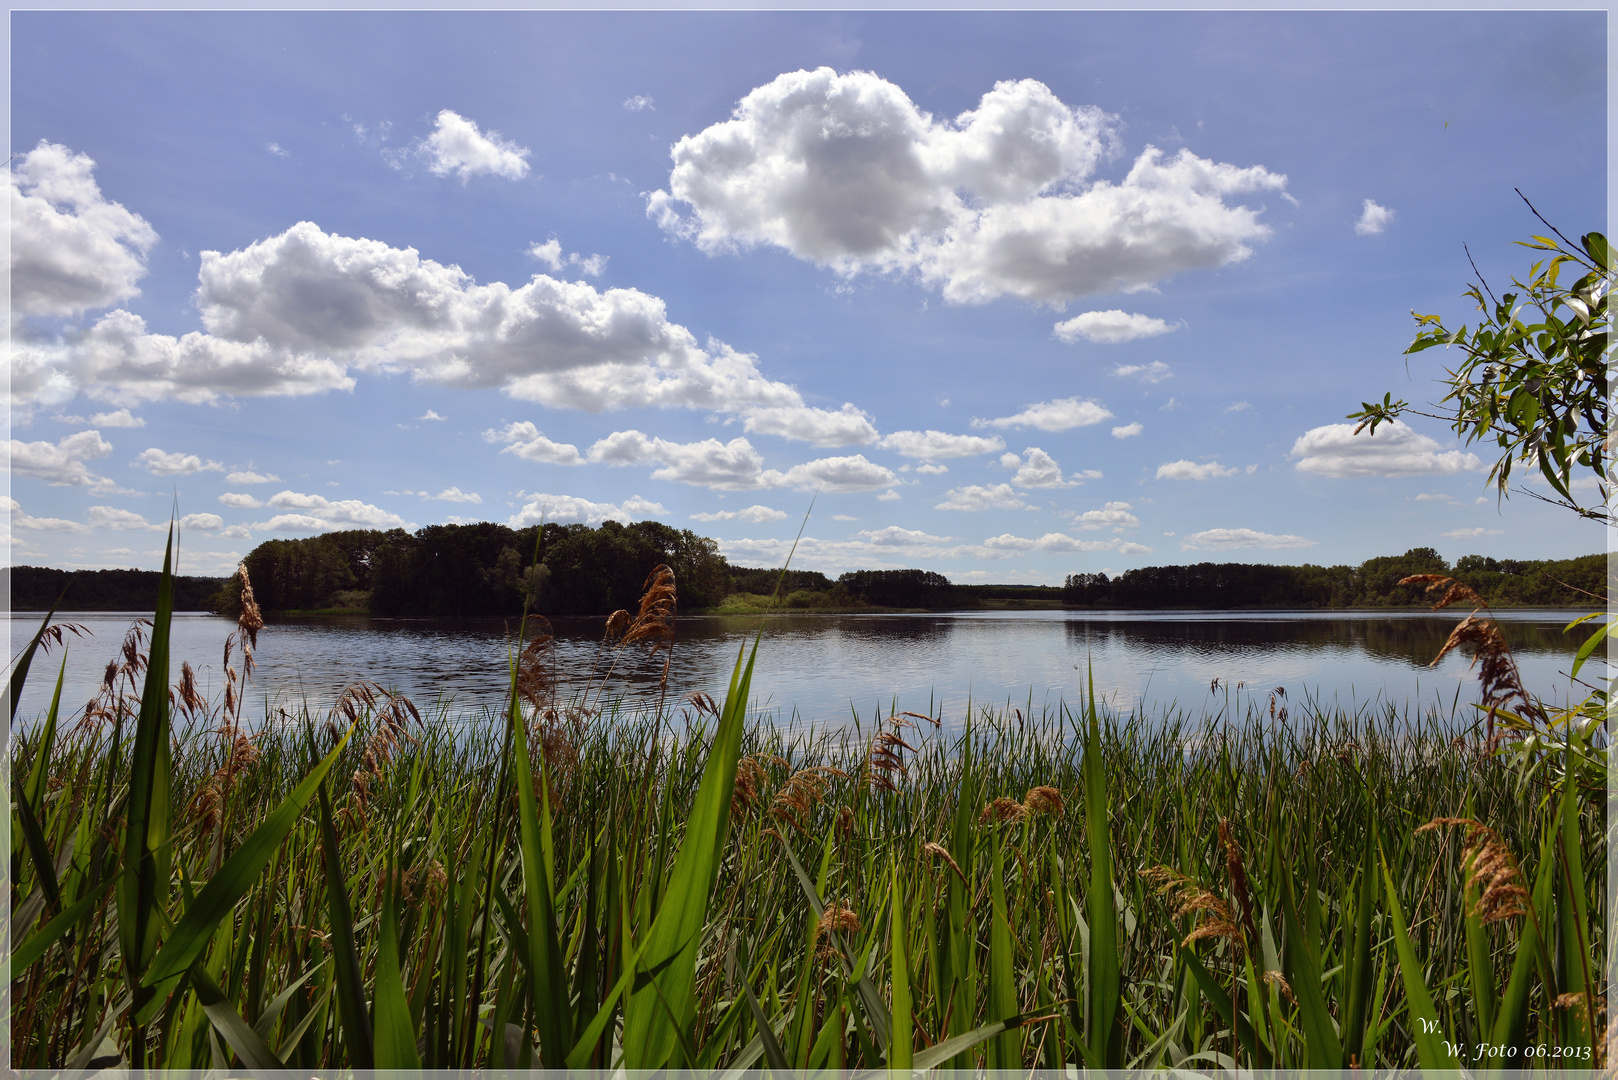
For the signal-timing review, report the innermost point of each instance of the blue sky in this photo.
(1019, 294)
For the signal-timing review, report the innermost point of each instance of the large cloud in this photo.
(1395, 450)
(979, 497)
(20, 520)
(932, 445)
(846, 171)
(71, 249)
(524, 440)
(316, 513)
(568, 509)
(1058, 415)
(299, 312)
(174, 463)
(736, 465)
(62, 463)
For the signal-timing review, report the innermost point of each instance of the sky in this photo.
(1007, 296)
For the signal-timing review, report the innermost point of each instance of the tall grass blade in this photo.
(352, 1013)
(544, 955)
(901, 1043)
(19, 670)
(1424, 1022)
(650, 1018)
(143, 893)
(394, 1038)
(1104, 984)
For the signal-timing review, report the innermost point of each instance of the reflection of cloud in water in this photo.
(825, 666)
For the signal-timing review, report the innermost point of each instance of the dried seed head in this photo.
(1044, 800)
(845, 823)
(942, 852)
(250, 620)
(1490, 869)
(1193, 900)
(1002, 810)
(803, 789)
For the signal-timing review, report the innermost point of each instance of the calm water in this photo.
(826, 667)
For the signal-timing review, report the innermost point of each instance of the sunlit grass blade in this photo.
(774, 1054)
(394, 1037)
(254, 1052)
(35, 788)
(652, 1014)
(901, 1042)
(1358, 976)
(1424, 1023)
(1104, 984)
(143, 892)
(1005, 1050)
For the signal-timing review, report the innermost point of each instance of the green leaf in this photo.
(544, 959)
(1424, 1030)
(395, 1036)
(650, 1033)
(1104, 983)
(350, 979)
(934, 1056)
(220, 895)
(901, 1043)
(254, 1052)
(774, 1053)
(143, 893)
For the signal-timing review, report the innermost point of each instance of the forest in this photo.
(487, 569)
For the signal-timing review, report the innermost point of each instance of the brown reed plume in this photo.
(536, 667)
(1002, 810)
(1193, 899)
(1491, 869)
(1498, 676)
(653, 625)
(803, 789)
(120, 683)
(941, 852)
(392, 714)
(885, 756)
(752, 773)
(836, 918)
(1237, 869)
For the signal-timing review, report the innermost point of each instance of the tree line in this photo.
(1374, 583)
(487, 569)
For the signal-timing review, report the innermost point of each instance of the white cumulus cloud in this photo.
(736, 465)
(1114, 515)
(931, 445)
(71, 249)
(1395, 450)
(846, 171)
(1191, 470)
(20, 520)
(1035, 469)
(62, 463)
(756, 514)
(524, 440)
(1111, 327)
(238, 501)
(1232, 539)
(118, 418)
(111, 517)
(248, 476)
(316, 513)
(1473, 534)
(1058, 415)
(456, 495)
(457, 147)
(1373, 219)
(1128, 431)
(848, 426)
(570, 509)
(979, 497)
(173, 463)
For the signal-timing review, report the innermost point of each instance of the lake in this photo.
(822, 669)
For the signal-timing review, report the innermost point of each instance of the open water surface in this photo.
(823, 669)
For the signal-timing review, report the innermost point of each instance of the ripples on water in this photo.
(823, 669)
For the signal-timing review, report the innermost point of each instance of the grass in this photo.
(368, 887)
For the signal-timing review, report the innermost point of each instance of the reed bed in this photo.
(565, 885)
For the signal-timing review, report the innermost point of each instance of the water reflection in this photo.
(823, 669)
